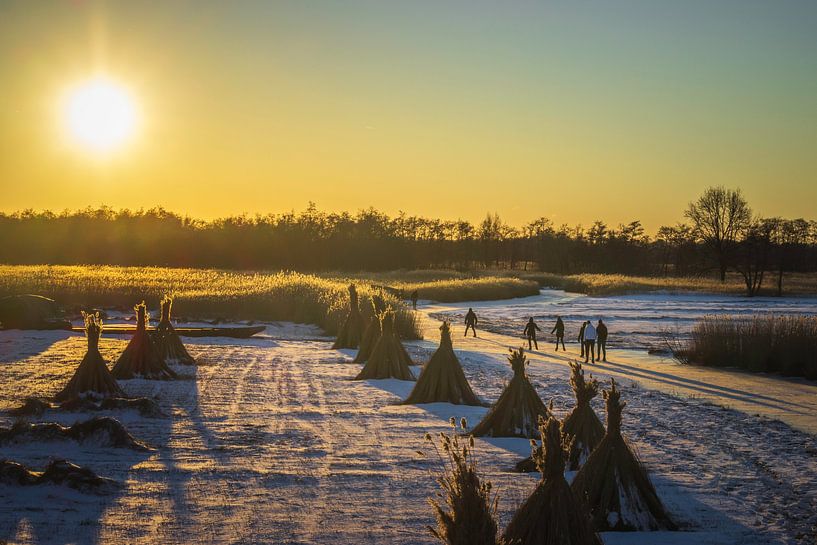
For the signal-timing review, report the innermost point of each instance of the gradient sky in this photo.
(573, 110)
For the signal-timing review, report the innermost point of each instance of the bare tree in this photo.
(790, 238)
(752, 254)
(720, 216)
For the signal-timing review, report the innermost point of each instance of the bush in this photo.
(775, 344)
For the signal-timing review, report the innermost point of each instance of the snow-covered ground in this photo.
(268, 441)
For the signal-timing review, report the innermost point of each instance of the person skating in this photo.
(601, 340)
(589, 342)
(530, 333)
(559, 329)
(581, 338)
(471, 321)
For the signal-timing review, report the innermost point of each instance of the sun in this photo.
(100, 114)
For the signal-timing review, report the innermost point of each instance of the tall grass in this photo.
(447, 286)
(471, 289)
(776, 344)
(617, 284)
(207, 293)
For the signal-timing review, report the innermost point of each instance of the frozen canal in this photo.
(634, 321)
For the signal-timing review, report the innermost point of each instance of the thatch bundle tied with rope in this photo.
(551, 515)
(92, 378)
(352, 329)
(614, 484)
(442, 378)
(170, 346)
(516, 412)
(389, 358)
(141, 358)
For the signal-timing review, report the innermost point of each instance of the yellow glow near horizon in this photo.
(100, 114)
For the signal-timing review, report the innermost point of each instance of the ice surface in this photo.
(634, 321)
(269, 441)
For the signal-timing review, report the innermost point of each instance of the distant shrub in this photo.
(618, 284)
(471, 289)
(773, 344)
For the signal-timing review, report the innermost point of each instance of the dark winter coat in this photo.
(531, 329)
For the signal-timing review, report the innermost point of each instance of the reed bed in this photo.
(619, 284)
(470, 289)
(202, 293)
(767, 343)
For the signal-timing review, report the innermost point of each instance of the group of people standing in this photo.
(592, 339)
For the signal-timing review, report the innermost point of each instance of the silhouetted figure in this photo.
(471, 321)
(589, 342)
(559, 329)
(581, 338)
(530, 332)
(601, 335)
(414, 296)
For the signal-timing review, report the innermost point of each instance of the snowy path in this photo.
(790, 400)
(270, 442)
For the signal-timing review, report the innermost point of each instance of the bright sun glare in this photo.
(100, 114)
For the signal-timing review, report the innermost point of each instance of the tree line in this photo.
(719, 233)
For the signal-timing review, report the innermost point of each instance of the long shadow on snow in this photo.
(59, 515)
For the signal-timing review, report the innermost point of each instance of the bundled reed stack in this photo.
(168, 342)
(442, 378)
(614, 484)
(389, 358)
(469, 514)
(352, 329)
(373, 329)
(552, 514)
(92, 378)
(518, 409)
(582, 427)
(141, 358)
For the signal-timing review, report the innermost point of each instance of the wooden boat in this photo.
(238, 332)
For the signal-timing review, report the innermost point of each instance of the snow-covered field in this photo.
(268, 441)
(635, 321)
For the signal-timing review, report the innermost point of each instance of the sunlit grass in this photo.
(471, 289)
(211, 293)
(207, 293)
(616, 284)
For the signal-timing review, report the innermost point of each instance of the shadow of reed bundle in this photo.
(613, 483)
(352, 329)
(141, 357)
(552, 514)
(516, 412)
(582, 427)
(170, 346)
(389, 358)
(769, 344)
(373, 329)
(442, 378)
(92, 378)
(468, 514)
